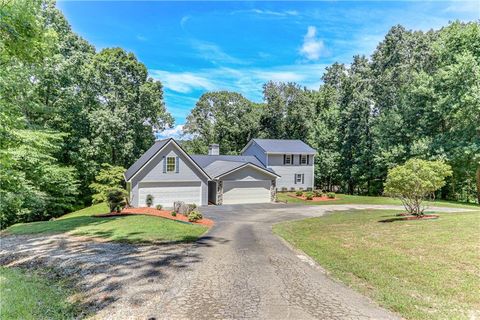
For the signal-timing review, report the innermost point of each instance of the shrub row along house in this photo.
(168, 173)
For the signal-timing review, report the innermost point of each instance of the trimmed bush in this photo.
(149, 200)
(159, 207)
(116, 199)
(299, 193)
(173, 213)
(318, 193)
(194, 216)
(331, 195)
(309, 196)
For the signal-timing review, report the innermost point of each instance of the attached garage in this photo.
(246, 192)
(166, 193)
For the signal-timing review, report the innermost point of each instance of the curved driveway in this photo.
(249, 273)
(239, 270)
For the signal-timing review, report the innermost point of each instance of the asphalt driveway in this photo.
(239, 270)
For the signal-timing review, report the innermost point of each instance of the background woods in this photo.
(67, 109)
(416, 96)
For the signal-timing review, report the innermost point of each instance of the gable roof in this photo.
(150, 154)
(282, 146)
(219, 165)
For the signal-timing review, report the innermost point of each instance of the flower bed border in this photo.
(157, 213)
(315, 199)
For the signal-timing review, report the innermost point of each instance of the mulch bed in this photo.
(315, 199)
(158, 213)
(406, 217)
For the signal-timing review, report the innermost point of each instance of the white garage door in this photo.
(166, 193)
(246, 192)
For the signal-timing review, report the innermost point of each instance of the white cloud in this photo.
(184, 20)
(268, 12)
(183, 82)
(213, 53)
(176, 132)
(312, 47)
(464, 7)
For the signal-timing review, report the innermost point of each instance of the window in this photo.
(303, 159)
(287, 159)
(171, 162)
(299, 178)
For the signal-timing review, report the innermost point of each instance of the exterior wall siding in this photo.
(287, 172)
(255, 150)
(153, 172)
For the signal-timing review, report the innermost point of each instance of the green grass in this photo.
(133, 229)
(421, 269)
(33, 295)
(352, 199)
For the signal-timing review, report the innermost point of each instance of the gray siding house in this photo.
(169, 174)
(292, 160)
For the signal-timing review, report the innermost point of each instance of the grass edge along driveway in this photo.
(131, 229)
(354, 199)
(36, 294)
(421, 269)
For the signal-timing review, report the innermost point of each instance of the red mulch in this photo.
(315, 199)
(405, 217)
(158, 213)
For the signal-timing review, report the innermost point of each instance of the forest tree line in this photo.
(416, 96)
(67, 109)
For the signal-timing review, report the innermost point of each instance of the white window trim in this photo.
(290, 157)
(303, 157)
(174, 164)
(298, 177)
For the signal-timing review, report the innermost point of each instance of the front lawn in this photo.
(420, 269)
(33, 295)
(353, 199)
(134, 229)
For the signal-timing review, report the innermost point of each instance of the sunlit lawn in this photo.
(353, 199)
(135, 228)
(34, 295)
(421, 269)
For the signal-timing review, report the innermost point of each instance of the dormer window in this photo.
(303, 159)
(171, 164)
(287, 159)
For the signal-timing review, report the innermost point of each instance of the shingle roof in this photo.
(145, 158)
(221, 164)
(284, 146)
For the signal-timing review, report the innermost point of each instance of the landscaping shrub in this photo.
(194, 216)
(191, 207)
(331, 195)
(318, 193)
(116, 199)
(174, 214)
(284, 189)
(299, 193)
(149, 200)
(159, 207)
(309, 196)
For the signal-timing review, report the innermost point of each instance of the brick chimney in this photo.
(214, 150)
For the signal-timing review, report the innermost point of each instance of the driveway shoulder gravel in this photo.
(238, 270)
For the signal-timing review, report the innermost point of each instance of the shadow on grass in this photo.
(55, 226)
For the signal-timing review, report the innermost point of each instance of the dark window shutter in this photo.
(284, 158)
(176, 164)
(293, 159)
(164, 165)
(303, 176)
(295, 178)
(308, 159)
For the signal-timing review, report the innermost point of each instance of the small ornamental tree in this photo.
(109, 177)
(116, 199)
(415, 181)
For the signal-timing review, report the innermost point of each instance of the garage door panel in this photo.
(167, 193)
(236, 192)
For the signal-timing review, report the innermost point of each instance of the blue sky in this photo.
(194, 47)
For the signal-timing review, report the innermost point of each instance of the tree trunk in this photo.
(478, 182)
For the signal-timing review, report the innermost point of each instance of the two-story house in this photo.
(292, 160)
(168, 174)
